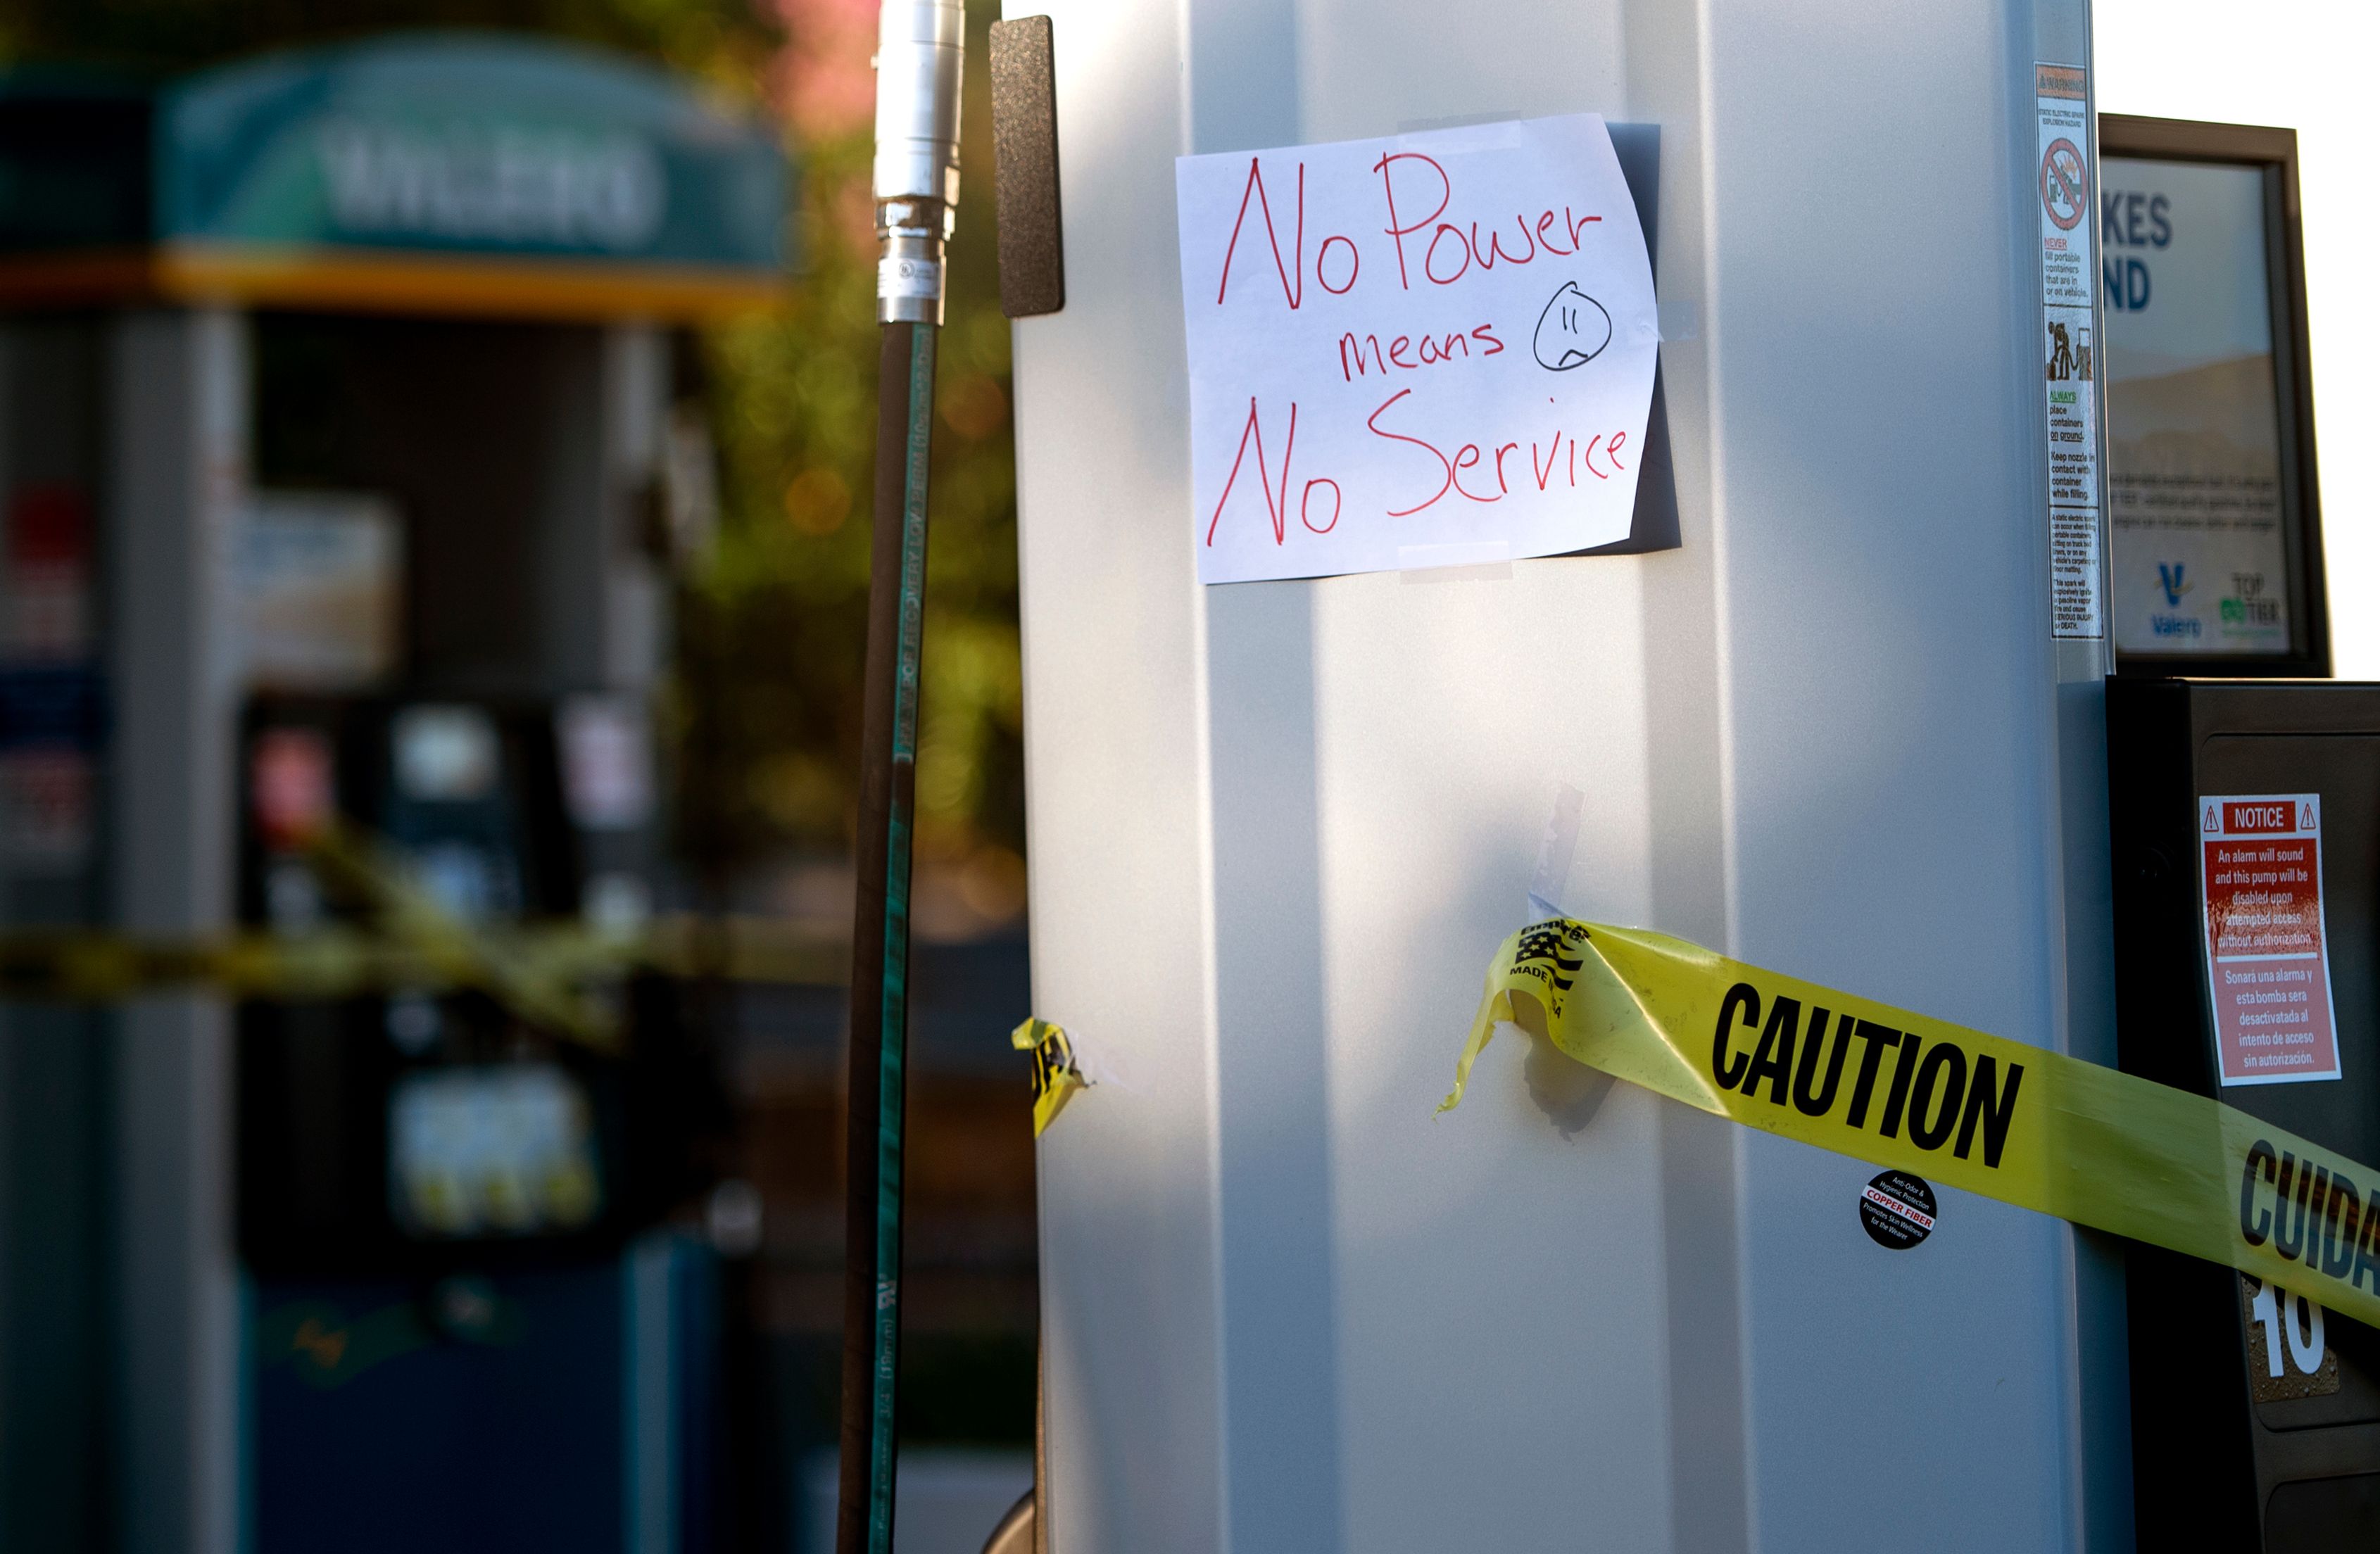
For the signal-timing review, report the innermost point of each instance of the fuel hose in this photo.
(916, 189)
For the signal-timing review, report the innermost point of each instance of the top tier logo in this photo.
(501, 184)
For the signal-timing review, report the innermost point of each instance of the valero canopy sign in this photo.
(438, 173)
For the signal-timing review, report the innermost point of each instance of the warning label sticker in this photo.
(2268, 966)
(2063, 193)
(2061, 105)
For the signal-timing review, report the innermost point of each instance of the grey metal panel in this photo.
(1890, 690)
(1275, 1201)
(1686, 786)
(595, 592)
(55, 1338)
(178, 453)
(1502, 1285)
(1116, 811)
(2085, 909)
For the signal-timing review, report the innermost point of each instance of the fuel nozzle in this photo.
(917, 58)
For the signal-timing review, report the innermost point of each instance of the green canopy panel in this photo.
(444, 173)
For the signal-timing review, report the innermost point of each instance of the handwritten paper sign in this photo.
(1426, 350)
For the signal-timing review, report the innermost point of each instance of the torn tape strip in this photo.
(1056, 1074)
(1556, 852)
(2018, 1123)
(1473, 559)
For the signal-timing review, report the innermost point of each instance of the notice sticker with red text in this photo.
(2260, 875)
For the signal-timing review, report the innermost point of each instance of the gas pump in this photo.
(2246, 833)
(442, 1207)
(368, 354)
(450, 1124)
(1846, 719)
(2245, 827)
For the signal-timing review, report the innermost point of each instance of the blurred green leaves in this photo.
(774, 624)
(729, 42)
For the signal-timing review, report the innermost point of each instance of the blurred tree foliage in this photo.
(772, 637)
(731, 42)
(765, 711)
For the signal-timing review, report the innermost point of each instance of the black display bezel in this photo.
(2274, 152)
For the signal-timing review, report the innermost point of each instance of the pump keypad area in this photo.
(2241, 958)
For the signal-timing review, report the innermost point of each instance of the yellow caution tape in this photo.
(538, 972)
(92, 966)
(332, 963)
(1056, 1074)
(536, 993)
(2018, 1123)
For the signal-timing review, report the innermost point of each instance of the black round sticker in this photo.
(1896, 1210)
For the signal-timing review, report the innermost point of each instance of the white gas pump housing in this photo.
(1279, 827)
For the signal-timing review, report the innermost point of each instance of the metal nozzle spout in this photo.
(918, 54)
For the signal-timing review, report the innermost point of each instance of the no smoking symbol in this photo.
(2061, 184)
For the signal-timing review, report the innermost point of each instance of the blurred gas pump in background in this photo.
(424, 1174)
(362, 504)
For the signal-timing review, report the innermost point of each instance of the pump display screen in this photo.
(502, 1151)
(2194, 442)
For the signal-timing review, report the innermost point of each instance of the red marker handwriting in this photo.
(1444, 252)
(1276, 507)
